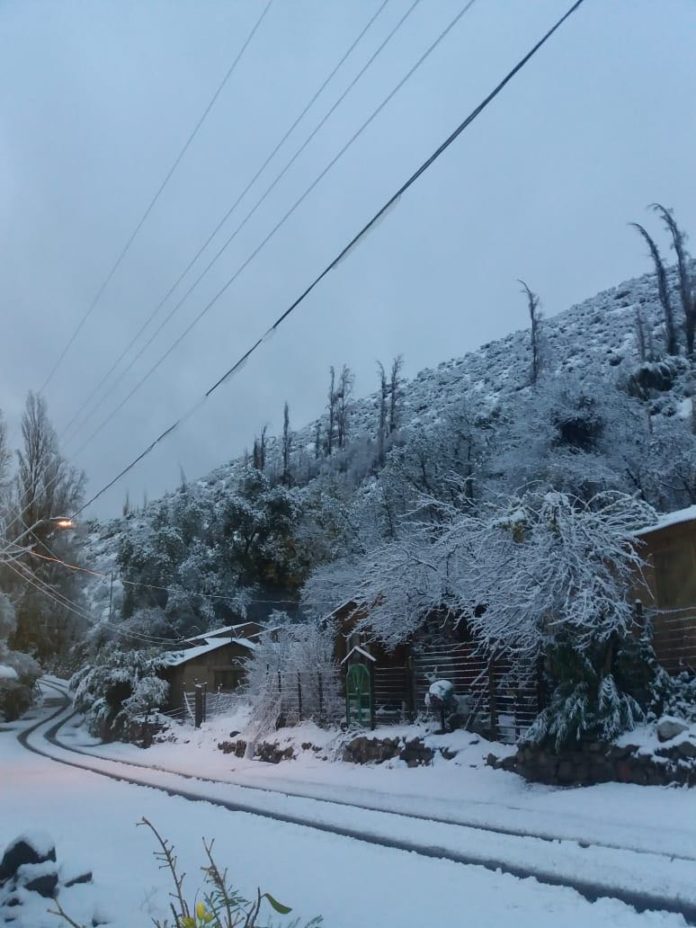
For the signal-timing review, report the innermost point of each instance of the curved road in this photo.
(383, 828)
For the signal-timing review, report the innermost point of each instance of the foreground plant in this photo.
(219, 905)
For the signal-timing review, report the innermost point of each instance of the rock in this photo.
(668, 727)
(85, 877)
(45, 885)
(25, 851)
(687, 749)
(272, 753)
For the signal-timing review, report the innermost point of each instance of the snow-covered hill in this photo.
(593, 342)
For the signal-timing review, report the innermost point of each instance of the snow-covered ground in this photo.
(349, 882)
(464, 790)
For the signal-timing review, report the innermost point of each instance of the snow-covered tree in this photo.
(292, 675)
(116, 689)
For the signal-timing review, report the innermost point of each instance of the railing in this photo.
(499, 696)
(674, 638)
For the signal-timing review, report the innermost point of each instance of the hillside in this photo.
(593, 346)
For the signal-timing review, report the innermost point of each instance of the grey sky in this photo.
(97, 98)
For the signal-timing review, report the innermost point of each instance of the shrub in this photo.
(119, 688)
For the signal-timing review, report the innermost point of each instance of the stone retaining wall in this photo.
(602, 763)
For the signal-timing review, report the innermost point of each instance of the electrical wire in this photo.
(206, 308)
(281, 222)
(168, 176)
(327, 80)
(65, 603)
(250, 213)
(137, 583)
(454, 135)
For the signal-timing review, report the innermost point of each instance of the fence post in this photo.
(320, 691)
(492, 702)
(411, 689)
(198, 706)
(540, 688)
(299, 696)
(373, 721)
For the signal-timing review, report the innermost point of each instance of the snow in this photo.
(176, 658)
(41, 841)
(464, 789)
(349, 882)
(8, 673)
(216, 632)
(670, 518)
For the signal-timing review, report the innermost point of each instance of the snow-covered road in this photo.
(313, 868)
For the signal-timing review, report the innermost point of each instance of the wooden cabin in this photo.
(216, 659)
(668, 589)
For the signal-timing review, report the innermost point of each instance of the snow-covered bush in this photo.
(119, 688)
(588, 702)
(292, 675)
(18, 671)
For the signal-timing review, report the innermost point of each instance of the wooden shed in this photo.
(669, 587)
(216, 659)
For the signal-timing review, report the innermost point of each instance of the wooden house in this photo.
(668, 588)
(215, 659)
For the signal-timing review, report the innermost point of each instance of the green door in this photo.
(358, 696)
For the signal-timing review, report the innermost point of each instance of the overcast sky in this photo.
(97, 99)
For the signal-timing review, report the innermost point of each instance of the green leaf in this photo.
(278, 906)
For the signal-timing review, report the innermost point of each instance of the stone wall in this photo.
(594, 763)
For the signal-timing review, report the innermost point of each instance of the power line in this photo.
(65, 603)
(168, 176)
(228, 241)
(454, 135)
(53, 558)
(212, 235)
(281, 222)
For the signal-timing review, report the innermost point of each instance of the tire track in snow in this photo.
(590, 890)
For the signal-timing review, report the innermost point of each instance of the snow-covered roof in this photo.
(670, 518)
(176, 658)
(216, 632)
(358, 650)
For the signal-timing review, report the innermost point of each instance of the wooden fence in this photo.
(674, 638)
(501, 697)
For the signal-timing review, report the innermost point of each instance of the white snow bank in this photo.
(8, 673)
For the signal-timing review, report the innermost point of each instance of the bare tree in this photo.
(333, 400)
(535, 332)
(686, 291)
(395, 393)
(640, 336)
(46, 485)
(663, 291)
(259, 451)
(343, 395)
(287, 444)
(382, 418)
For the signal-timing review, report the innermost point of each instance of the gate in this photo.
(358, 695)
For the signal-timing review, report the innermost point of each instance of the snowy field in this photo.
(349, 882)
